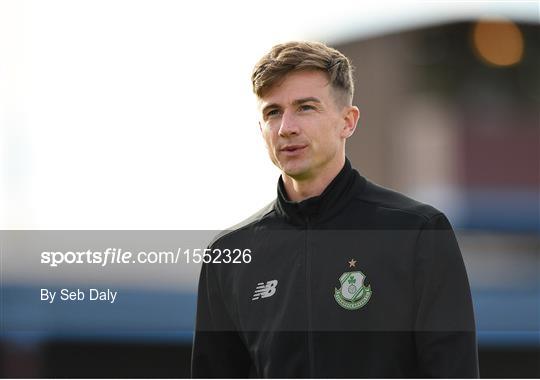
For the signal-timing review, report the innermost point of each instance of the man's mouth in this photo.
(293, 149)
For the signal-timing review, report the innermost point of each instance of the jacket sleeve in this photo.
(218, 350)
(445, 331)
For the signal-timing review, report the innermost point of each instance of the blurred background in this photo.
(138, 115)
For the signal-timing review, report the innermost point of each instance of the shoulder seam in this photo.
(219, 237)
(426, 217)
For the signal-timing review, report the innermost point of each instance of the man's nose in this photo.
(289, 124)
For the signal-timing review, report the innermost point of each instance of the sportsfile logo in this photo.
(265, 290)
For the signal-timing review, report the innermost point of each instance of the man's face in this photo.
(303, 126)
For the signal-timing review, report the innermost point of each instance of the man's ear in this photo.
(351, 114)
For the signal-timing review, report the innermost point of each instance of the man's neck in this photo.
(298, 190)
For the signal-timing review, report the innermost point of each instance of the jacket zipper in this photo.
(308, 294)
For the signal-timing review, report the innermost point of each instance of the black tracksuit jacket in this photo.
(360, 281)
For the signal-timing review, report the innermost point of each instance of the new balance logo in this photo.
(265, 290)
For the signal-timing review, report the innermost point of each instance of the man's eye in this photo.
(306, 107)
(272, 113)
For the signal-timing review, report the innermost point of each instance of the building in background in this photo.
(450, 116)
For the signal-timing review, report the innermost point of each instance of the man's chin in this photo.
(297, 172)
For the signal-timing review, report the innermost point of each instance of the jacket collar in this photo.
(316, 209)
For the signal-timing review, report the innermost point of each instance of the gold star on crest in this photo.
(352, 263)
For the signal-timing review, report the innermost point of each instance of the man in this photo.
(346, 278)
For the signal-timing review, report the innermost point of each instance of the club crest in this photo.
(352, 294)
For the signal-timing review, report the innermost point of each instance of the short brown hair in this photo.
(300, 55)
